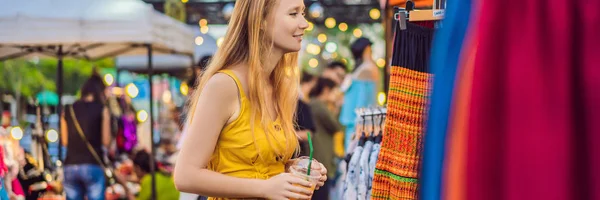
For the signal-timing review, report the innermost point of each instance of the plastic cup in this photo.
(300, 169)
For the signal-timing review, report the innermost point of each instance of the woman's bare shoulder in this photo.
(221, 85)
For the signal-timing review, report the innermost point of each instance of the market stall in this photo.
(90, 30)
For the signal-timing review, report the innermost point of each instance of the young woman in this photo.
(240, 123)
(84, 176)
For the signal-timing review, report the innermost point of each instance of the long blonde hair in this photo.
(244, 43)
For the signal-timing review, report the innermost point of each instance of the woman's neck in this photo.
(272, 60)
(367, 58)
(322, 98)
(305, 89)
(88, 98)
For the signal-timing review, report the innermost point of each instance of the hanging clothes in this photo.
(446, 51)
(364, 181)
(397, 169)
(352, 176)
(525, 105)
(3, 172)
(535, 106)
(373, 162)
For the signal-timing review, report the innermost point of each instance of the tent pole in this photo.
(117, 77)
(59, 81)
(152, 144)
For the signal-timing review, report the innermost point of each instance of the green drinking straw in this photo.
(310, 158)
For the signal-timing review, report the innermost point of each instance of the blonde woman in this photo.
(240, 131)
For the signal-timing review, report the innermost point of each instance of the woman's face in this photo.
(286, 25)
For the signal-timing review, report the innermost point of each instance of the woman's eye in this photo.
(293, 14)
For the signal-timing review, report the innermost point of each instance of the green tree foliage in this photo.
(27, 78)
(23, 78)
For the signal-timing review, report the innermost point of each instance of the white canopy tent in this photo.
(172, 64)
(91, 30)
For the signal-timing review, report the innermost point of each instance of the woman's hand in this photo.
(320, 167)
(285, 186)
(323, 178)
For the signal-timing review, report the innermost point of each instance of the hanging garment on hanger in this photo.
(352, 176)
(3, 191)
(446, 53)
(373, 162)
(397, 170)
(3, 172)
(364, 182)
(3, 167)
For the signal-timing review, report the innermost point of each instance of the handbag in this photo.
(108, 172)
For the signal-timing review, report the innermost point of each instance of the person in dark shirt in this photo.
(326, 126)
(88, 116)
(304, 120)
(335, 71)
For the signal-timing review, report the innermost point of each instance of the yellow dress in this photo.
(237, 155)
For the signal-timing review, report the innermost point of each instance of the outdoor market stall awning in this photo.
(169, 63)
(88, 29)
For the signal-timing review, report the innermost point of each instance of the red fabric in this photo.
(3, 168)
(534, 122)
(17, 188)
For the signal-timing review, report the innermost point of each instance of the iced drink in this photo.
(300, 169)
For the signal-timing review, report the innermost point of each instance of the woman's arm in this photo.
(216, 105)
(64, 132)
(106, 138)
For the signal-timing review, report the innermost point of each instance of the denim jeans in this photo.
(84, 180)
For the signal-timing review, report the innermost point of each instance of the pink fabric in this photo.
(534, 122)
(17, 188)
(3, 168)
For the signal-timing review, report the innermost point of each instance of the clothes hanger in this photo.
(381, 120)
(372, 135)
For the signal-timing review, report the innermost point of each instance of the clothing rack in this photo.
(409, 12)
(358, 166)
(370, 120)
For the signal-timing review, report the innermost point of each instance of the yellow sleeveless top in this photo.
(236, 153)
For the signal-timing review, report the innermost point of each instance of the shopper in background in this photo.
(304, 119)
(84, 175)
(240, 122)
(165, 186)
(326, 126)
(336, 71)
(359, 87)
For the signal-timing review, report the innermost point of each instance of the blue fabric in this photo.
(363, 180)
(447, 46)
(350, 185)
(3, 192)
(372, 164)
(360, 94)
(338, 191)
(84, 180)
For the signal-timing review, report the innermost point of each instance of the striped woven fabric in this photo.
(399, 158)
(399, 161)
